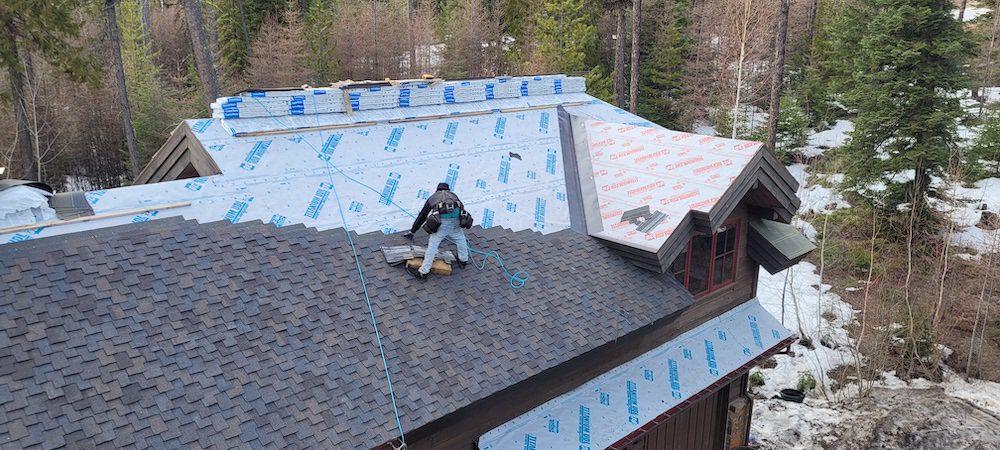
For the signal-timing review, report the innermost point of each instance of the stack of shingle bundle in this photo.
(282, 103)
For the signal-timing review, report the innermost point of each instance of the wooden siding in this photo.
(701, 426)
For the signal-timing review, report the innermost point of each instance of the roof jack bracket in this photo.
(402, 445)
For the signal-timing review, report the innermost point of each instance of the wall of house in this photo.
(717, 421)
(745, 286)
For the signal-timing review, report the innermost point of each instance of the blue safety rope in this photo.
(357, 263)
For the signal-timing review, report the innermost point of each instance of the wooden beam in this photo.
(53, 223)
(305, 130)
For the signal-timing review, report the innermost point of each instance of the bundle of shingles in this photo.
(413, 256)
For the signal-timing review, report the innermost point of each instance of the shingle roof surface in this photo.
(177, 334)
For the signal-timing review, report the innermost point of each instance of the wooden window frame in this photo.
(712, 287)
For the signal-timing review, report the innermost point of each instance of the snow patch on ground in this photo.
(807, 307)
(955, 413)
(817, 199)
(965, 211)
(971, 13)
(704, 128)
(820, 142)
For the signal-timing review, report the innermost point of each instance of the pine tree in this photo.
(319, 38)
(565, 33)
(114, 36)
(518, 21)
(152, 104)
(984, 156)
(792, 125)
(201, 46)
(46, 29)
(279, 57)
(472, 40)
(902, 64)
(239, 21)
(664, 50)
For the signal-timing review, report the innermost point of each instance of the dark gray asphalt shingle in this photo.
(176, 334)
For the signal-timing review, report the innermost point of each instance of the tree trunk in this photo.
(213, 34)
(200, 45)
(777, 81)
(633, 86)
(20, 110)
(33, 93)
(116, 55)
(744, 23)
(811, 21)
(619, 81)
(145, 17)
(961, 11)
(243, 26)
(375, 72)
(409, 35)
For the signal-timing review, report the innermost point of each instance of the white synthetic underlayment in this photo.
(669, 171)
(609, 407)
(24, 205)
(288, 178)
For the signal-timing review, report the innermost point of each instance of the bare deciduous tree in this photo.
(278, 54)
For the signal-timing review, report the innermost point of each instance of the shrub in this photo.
(806, 382)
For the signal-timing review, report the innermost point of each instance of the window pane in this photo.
(731, 239)
(701, 250)
(725, 242)
(678, 265)
(720, 239)
(723, 272)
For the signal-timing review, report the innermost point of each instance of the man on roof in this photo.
(443, 217)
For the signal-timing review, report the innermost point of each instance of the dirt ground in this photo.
(919, 419)
(908, 418)
(961, 299)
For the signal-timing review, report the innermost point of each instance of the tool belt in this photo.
(447, 209)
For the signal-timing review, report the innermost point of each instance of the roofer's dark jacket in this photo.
(441, 196)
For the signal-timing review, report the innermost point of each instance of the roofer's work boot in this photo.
(416, 272)
(462, 264)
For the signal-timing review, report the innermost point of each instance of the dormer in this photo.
(699, 207)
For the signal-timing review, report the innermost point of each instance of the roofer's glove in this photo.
(408, 235)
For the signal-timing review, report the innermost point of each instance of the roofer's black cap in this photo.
(443, 187)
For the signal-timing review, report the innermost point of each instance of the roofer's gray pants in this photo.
(449, 230)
